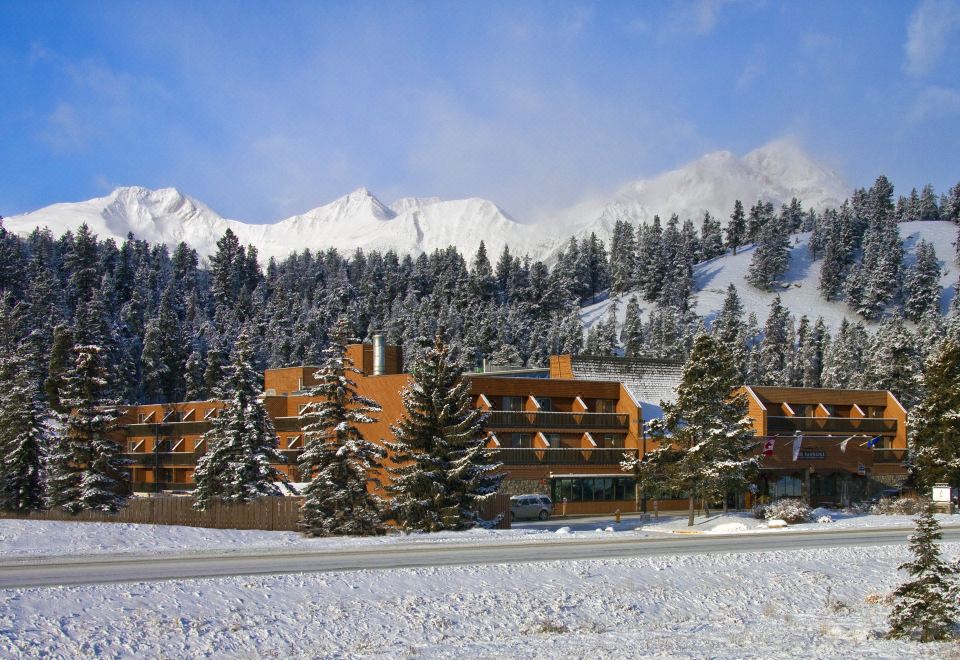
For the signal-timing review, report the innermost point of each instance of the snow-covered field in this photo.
(22, 539)
(803, 603)
(739, 523)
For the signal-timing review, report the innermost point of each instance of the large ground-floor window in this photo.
(592, 489)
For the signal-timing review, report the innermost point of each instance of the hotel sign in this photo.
(812, 454)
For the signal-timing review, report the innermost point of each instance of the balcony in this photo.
(851, 425)
(561, 456)
(544, 421)
(162, 458)
(897, 456)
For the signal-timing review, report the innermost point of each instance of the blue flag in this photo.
(873, 442)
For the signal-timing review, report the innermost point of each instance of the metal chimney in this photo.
(379, 354)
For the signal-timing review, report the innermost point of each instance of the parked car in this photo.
(530, 506)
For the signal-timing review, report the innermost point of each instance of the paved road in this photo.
(107, 569)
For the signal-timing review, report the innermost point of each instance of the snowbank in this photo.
(768, 605)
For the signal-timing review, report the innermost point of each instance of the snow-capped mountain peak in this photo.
(775, 172)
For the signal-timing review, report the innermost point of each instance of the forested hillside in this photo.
(168, 323)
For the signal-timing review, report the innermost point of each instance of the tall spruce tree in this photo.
(86, 466)
(339, 462)
(730, 329)
(443, 470)
(737, 227)
(925, 607)
(776, 346)
(923, 284)
(771, 257)
(24, 435)
(934, 449)
(632, 334)
(241, 446)
(707, 428)
(893, 362)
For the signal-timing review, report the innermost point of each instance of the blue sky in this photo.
(263, 110)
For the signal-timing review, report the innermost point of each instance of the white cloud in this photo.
(935, 102)
(65, 130)
(751, 71)
(929, 32)
(698, 18)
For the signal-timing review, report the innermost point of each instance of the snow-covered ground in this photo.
(22, 539)
(804, 603)
(740, 523)
(802, 296)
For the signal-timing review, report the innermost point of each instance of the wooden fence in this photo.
(268, 513)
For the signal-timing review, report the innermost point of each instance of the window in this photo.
(606, 406)
(546, 404)
(593, 489)
(611, 441)
(553, 439)
(787, 486)
(512, 403)
(520, 440)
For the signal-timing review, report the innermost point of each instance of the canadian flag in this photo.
(768, 447)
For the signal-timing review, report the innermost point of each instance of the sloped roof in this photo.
(649, 381)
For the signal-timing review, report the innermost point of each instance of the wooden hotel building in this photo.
(563, 430)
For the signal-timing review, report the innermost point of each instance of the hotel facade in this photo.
(564, 430)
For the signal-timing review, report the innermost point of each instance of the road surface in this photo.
(104, 569)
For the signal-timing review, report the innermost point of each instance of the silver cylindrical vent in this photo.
(379, 354)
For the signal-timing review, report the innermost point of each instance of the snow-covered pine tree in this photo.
(623, 257)
(761, 214)
(707, 427)
(711, 237)
(59, 363)
(927, 207)
(776, 346)
(338, 461)
(737, 227)
(651, 264)
(923, 283)
(813, 353)
(24, 435)
(241, 445)
(632, 334)
(845, 363)
(443, 469)
(925, 607)
(934, 454)
(771, 257)
(730, 329)
(571, 333)
(893, 362)
(86, 470)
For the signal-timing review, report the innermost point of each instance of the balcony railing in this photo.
(507, 419)
(187, 458)
(561, 456)
(866, 425)
(163, 458)
(889, 455)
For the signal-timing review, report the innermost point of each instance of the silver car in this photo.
(530, 506)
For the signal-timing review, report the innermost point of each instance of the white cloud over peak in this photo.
(934, 102)
(929, 33)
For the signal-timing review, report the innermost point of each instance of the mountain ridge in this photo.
(775, 172)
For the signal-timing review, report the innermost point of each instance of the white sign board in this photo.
(941, 493)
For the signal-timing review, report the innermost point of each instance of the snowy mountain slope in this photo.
(775, 172)
(802, 296)
(357, 220)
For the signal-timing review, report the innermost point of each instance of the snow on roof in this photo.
(648, 381)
